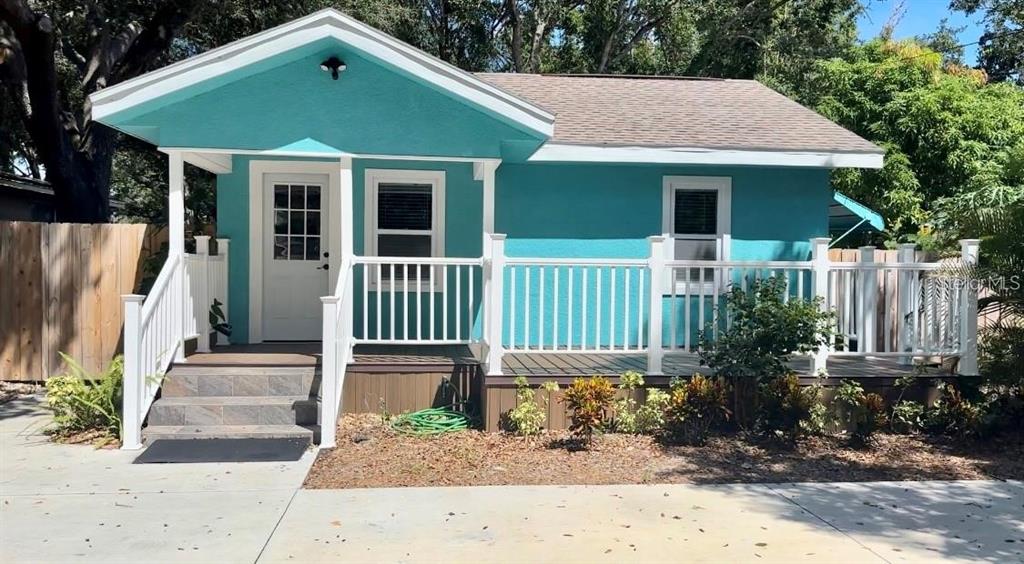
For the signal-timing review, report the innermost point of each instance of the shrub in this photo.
(907, 417)
(695, 408)
(956, 415)
(870, 417)
(626, 408)
(527, 417)
(848, 397)
(785, 407)
(589, 400)
(650, 417)
(86, 402)
(764, 329)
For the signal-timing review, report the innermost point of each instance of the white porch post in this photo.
(131, 386)
(969, 249)
(819, 283)
(176, 244)
(202, 309)
(484, 172)
(345, 215)
(656, 264)
(223, 245)
(495, 302)
(330, 381)
(907, 289)
(867, 295)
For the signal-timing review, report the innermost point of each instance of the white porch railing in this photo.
(418, 300)
(157, 325)
(337, 352)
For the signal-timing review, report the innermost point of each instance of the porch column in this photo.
(656, 265)
(867, 294)
(202, 311)
(347, 248)
(907, 289)
(176, 243)
(819, 283)
(969, 312)
(484, 172)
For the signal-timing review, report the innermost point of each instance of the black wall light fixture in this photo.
(333, 65)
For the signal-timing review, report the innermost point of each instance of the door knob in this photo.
(324, 267)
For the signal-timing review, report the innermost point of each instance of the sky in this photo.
(922, 16)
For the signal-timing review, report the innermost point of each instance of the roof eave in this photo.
(558, 152)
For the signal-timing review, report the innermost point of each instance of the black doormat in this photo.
(222, 450)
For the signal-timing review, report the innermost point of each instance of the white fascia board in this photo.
(320, 25)
(668, 155)
(217, 163)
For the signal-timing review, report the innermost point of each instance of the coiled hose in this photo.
(430, 421)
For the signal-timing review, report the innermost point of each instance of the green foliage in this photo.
(950, 136)
(955, 414)
(527, 417)
(695, 408)
(1002, 43)
(869, 418)
(764, 331)
(907, 417)
(626, 407)
(218, 321)
(785, 407)
(86, 402)
(589, 400)
(650, 417)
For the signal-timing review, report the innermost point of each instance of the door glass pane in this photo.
(298, 197)
(298, 223)
(312, 197)
(280, 248)
(280, 222)
(312, 223)
(312, 248)
(296, 250)
(280, 196)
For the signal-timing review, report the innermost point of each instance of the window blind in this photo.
(404, 206)
(696, 212)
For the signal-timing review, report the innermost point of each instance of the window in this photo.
(697, 215)
(404, 217)
(296, 222)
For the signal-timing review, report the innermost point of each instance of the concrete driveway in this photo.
(62, 503)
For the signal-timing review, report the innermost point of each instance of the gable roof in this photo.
(327, 23)
(677, 114)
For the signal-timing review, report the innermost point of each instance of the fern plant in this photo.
(81, 401)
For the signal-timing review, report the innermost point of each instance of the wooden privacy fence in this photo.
(60, 291)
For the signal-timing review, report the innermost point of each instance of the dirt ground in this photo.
(369, 454)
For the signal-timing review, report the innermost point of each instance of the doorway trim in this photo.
(257, 171)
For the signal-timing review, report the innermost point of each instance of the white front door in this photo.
(295, 253)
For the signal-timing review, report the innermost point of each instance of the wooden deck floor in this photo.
(539, 365)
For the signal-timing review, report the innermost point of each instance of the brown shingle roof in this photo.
(671, 112)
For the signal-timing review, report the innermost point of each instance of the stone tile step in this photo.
(189, 382)
(154, 432)
(234, 410)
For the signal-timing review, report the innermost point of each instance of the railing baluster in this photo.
(584, 298)
(444, 302)
(380, 290)
(612, 313)
(626, 272)
(366, 300)
(512, 307)
(640, 313)
(569, 318)
(458, 302)
(471, 308)
(554, 307)
(540, 308)
(526, 308)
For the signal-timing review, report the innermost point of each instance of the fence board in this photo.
(60, 291)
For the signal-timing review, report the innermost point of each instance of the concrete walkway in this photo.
(63, 503)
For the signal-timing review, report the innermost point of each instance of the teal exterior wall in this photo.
(294, 106)
(559, 210)
(609, 211)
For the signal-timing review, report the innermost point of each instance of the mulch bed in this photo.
(370, 454)
(13, 390)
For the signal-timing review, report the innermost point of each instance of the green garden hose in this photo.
(431, 421)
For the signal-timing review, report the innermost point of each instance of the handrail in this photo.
(336, 343)
(523, 261)
(158, 289)
(441, 261)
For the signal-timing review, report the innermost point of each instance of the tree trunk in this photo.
(86, 194)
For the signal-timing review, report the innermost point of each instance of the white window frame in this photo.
(374, 177)
(723, 235)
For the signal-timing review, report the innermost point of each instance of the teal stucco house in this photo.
(371, 194)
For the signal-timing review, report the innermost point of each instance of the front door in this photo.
(295, 253)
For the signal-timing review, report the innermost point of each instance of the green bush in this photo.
(589, 400)
(955, 414)
(870, 418)
(86, 402)
(626, 408)
(785, 407)
(695, 408)
(763, 331)
(907, 417)
(527, 418)
(650, 417)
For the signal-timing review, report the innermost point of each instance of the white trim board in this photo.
(554, 152)
(327, 23)
(257, 170)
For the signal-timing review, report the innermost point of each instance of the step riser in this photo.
(177, 384)
(298, 413)
(311, 433)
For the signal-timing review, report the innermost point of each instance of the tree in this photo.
(950, 136)
(1002, 43)
(57, 53)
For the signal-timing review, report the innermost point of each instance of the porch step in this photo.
(186, 380)
(234, 410)
(307, 432)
